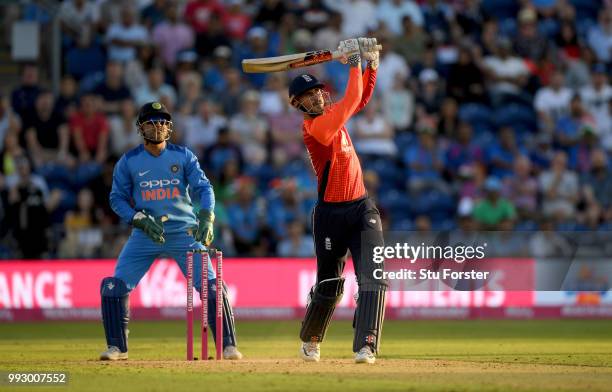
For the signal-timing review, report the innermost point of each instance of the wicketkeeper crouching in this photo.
(151, 190)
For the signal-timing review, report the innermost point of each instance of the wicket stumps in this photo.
(204, 299)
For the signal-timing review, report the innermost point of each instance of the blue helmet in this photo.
(303, 83)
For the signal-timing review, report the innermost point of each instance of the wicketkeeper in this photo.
(152, 189)
(344, 217)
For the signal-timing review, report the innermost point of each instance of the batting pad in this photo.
(322, 301)
(229, 329)
(115, 312)
(369, 317)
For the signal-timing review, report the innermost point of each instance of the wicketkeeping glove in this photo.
(204, 234)
(152, 227)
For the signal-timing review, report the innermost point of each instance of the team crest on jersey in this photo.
(174, 168)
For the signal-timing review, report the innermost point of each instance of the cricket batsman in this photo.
(344, 218)
(152, 189)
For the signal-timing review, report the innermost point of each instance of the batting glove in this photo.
(369, 51)
(349, 48)
(152, 227)
(204, 234)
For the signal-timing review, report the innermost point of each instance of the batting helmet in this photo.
(303, 83)
(153, 111)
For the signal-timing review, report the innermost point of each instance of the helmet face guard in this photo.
(155, 130)
(307, 101)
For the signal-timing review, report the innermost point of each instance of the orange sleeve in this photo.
(369, 82)
(324, 127)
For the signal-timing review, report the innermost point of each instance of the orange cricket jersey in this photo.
(330, 147)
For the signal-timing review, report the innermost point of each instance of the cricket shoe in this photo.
(310, 351)
(231, 352)
(365, 355)
(113, 353)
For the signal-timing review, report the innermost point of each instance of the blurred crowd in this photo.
(493, 115)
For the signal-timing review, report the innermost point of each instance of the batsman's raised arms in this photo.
(284, 63)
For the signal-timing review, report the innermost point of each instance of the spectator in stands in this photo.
(67, 101)
(493, 210)
(567, 40)
(11, 152)
(552, 102)
(399, 105)
(269, 13)
(559, 188)
(430, 96)
(155, 88)
(462, 150)
(394, 13)
(125, 37)
(9, 121)
(189, 94)
(284, 206)
(569, 127)
(29, 205)
(358, 16)
(412, 42)
(529, 43)
(448, 118)
(256, 46)
(171, 36)
(522, 189)
(89, 129)
(465, 80)
(231, 96)
(329, 35)
(507, 74)
(597, 188)
(236, 22)
(46, 135)
(273, 95)
(200, 14)
(425, 161)
(24, 96)
(113, 90)
(437, 16)
(373, 134)
(500, 155)
(154, 13)
(224, 158)
(202, 129)
(600, 35)
(392, 65)
(296, 243)
(286, 131)
(249, 128)
(123, 135)
(83, 234)
(77, 16)
(596, 96)
(85, 59)
(243, 215)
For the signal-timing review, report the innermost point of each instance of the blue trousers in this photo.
(140, 252)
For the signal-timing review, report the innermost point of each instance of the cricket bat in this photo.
(290, 61)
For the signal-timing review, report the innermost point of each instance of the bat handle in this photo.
(337, 54)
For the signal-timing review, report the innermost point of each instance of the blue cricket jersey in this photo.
(161, 185)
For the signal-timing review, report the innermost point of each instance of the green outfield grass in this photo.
(416, 356)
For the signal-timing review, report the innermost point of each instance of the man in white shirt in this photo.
(507, 74)
(596, 96)
(392, 12)
(552, 101)
(124, 38)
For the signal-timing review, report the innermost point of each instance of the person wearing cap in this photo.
(491, 211)
(344, 211)
(152, 188)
